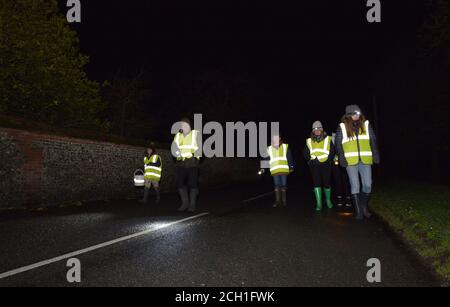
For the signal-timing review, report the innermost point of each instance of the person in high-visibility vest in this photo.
(186, 150)
(341, 186)
(358, 151)
(281, 165)
(319, 152)
(152, 173)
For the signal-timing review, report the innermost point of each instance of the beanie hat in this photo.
(317, 125)
(352, 109)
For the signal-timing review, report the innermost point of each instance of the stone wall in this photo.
(45, 170)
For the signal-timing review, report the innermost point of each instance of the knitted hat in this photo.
(352, 109)
(317, 125)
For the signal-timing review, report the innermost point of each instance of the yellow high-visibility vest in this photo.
(350, 146)
(278, 160)
(187, 145)
(152, 172)
(319, 150)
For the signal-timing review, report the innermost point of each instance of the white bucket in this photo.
(139, 178)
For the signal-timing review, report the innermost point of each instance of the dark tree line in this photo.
(414, 92)
(42, 77)
(42, 73)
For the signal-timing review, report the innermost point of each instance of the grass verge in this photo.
(421, 213)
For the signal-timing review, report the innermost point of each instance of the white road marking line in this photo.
(258, 197)
(95, 247)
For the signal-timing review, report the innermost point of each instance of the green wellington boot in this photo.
(328, 198)
(318, 194)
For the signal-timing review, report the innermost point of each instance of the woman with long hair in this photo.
(358, 151)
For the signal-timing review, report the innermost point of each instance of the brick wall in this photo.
(44, 170)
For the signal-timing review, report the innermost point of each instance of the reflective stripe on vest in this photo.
(350, 146)
(319, 150)
(278, 160)
(152, 172)
(186, 144)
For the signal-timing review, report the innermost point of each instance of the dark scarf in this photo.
(319, 138)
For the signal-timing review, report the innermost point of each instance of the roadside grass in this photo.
(421, 213)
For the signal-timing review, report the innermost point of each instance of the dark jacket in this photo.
(307, 155)
(156, 164)
(290, 159)
(340, 150)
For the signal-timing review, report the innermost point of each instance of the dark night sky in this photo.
(308, 57)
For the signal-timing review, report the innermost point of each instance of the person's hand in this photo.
(336, 160)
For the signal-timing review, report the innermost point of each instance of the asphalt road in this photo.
(236, 244)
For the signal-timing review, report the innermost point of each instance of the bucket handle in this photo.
(139, 170)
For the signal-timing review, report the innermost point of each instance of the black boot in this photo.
(158, 196)
(193, 200)
(277, 197)
(348, 202)
(340, 202)
(184, 199)
(283, 196)
(145, 199)
(356, 203)
(365, 197)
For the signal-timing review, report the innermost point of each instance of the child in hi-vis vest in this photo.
(153, 171)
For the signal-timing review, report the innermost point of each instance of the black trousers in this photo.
(321, 175)
(341, 184)
(187, 177)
